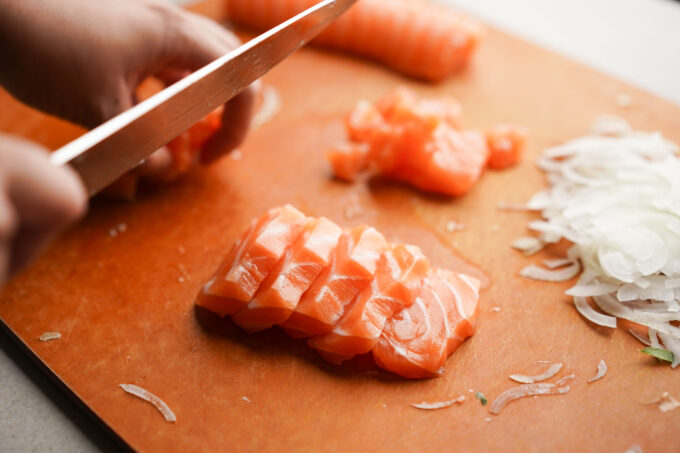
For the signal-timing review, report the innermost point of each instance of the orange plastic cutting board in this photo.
(124, 303)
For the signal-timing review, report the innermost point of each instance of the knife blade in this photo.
(103, 154)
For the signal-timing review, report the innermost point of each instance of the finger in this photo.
(8, 226)
(157, 166)
(235, 124)
(46, 199)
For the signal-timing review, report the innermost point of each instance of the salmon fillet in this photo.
(414, 37)
(349, 292)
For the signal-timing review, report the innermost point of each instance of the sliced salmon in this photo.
(414, 341)
(417, 340)
(349, 292)
(250, 262)
(459, 295)
(414, 37)
(506, 145)
(351, 269)
(301, 264)
(398, 272)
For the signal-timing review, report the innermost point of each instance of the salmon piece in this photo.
(364, 122)
(414, 341)
(398, 272)
(417, 340)
(506, 146)
(459, 295)
(252, 259)
(183, 156)
(348, 159)
(186, 148)
(416, 38)
(351, 269)
(301, 264)
(421, 142)
(451, 162)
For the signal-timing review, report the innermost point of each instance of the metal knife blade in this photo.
(106, 152)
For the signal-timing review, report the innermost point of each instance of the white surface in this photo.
(637, 41)
(634, 40)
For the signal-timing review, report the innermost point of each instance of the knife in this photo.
(102, 155)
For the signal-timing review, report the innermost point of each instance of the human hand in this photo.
(37, 200)
(82, 59)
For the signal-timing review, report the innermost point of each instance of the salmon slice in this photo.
(506, 145)
(351, 269)
(417, 340)
(398, 272)
(414, 37)
(252, 259)
(302, 263)
(414, 341)
(459, 296)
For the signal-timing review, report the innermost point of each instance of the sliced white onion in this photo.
(554, 264)
(529, 245)
(271, 105)
(596, 289)
(565, 379)
(47, 336)
(151, 398)
(665, 402)
(439, 404)
(588, 312)
(672, 345)
(601, 371)
(641, 338)
(559, 275)
(615, 195)
(524, 390)
(550, 372)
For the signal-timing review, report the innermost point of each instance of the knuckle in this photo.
(9, 222)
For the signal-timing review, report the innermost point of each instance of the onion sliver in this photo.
(550, 372)
(151, 398)
(597, 289)
(641, 338)
(271, 105)
(588, 312)
(554, 264)
(559, 275)
(439, 404)
(565, 379)
(601, 371)
(522, 391)
(529, 245)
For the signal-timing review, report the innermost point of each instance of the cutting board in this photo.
(124, 300)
